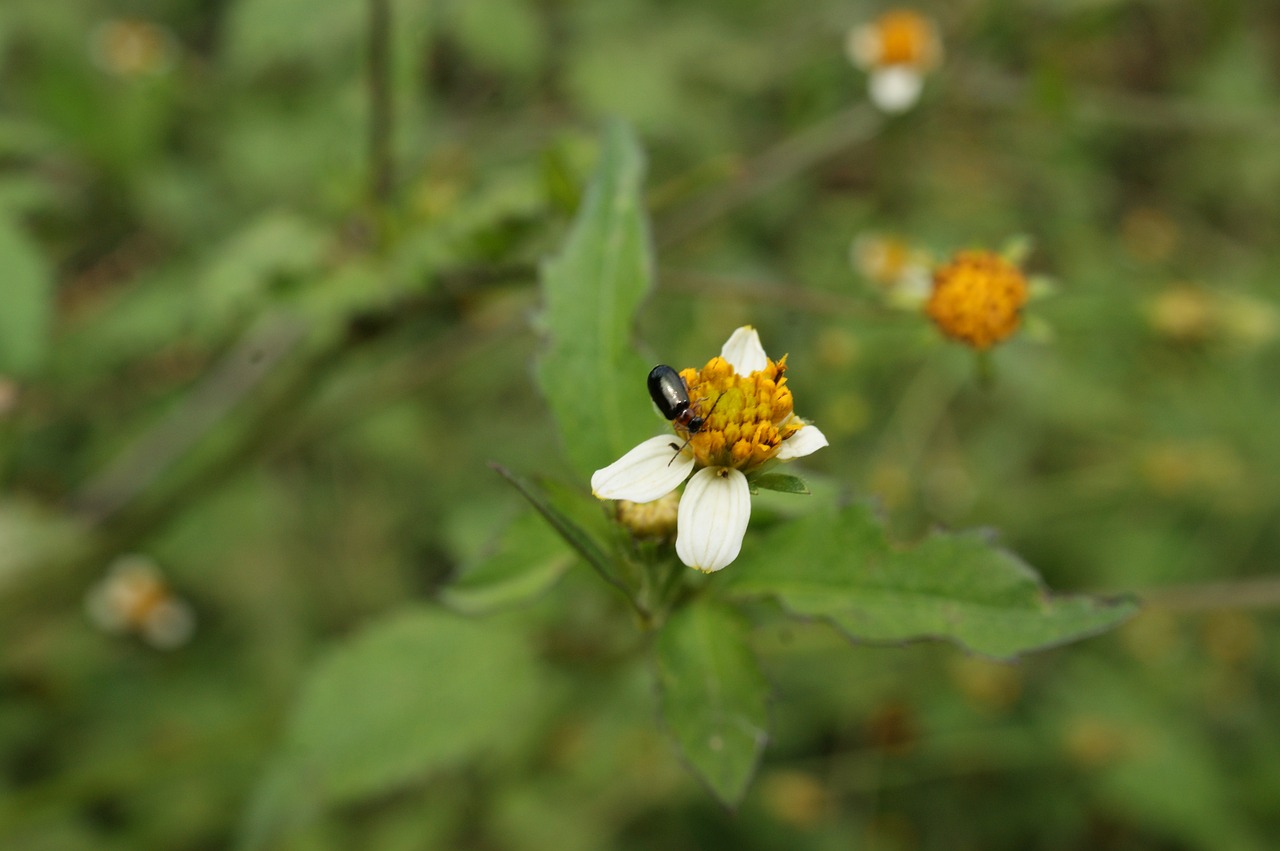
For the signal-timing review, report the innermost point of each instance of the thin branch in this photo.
(1262, 592)
(793, 155)
(780, 294)
(243, 369)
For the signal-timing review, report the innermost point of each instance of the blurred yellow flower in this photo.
(132, 48)
(1189, 313)
(1183, 313)
(978, 298)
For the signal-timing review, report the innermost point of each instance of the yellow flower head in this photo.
(749, 416)
(902, 37)
(977, 298)
(654, 520)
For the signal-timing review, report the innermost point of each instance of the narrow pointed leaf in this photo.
(838, 565)
(713, 695)
(589, 373)
(570, 531)
(529, 558)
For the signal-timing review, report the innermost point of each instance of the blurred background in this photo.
(267, 276)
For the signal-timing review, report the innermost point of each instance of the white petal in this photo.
(648, 472)
(743, 351)
(804, 442)
(895, 88)
(713, 518)
(913, 288)
(862, 46)
(169, 624)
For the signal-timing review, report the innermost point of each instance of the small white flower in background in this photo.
(902, 273)
(896, 50)
(134, 598)
(749, 423)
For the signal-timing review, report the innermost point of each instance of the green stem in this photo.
(986, 370)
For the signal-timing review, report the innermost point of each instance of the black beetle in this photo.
(671, 395)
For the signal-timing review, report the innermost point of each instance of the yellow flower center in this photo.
(977, 298)
(747, 417)
(906, 38)
(138, 595)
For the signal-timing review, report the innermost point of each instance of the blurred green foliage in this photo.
(224, 346)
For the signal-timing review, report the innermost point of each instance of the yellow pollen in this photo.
(747, 417)
(977, 298)
(906, 38)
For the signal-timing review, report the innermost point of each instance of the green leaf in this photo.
(713, 695)
(592, 378)
(277, 245)
(420, 691)
(529, 559)
(263, 33)
(26, 302)
(502, 34)
(780, 482)
(838, 565)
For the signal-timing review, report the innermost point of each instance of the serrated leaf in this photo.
(529, 559)
(424, 689)
(26, 302)
(591, 377)
(713, 695)
(780, 482)
(838, 565)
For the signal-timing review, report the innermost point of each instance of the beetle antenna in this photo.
(692, 433)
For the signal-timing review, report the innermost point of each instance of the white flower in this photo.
(896, 50)
(133, 597)
(749, 423)
(901, 272)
